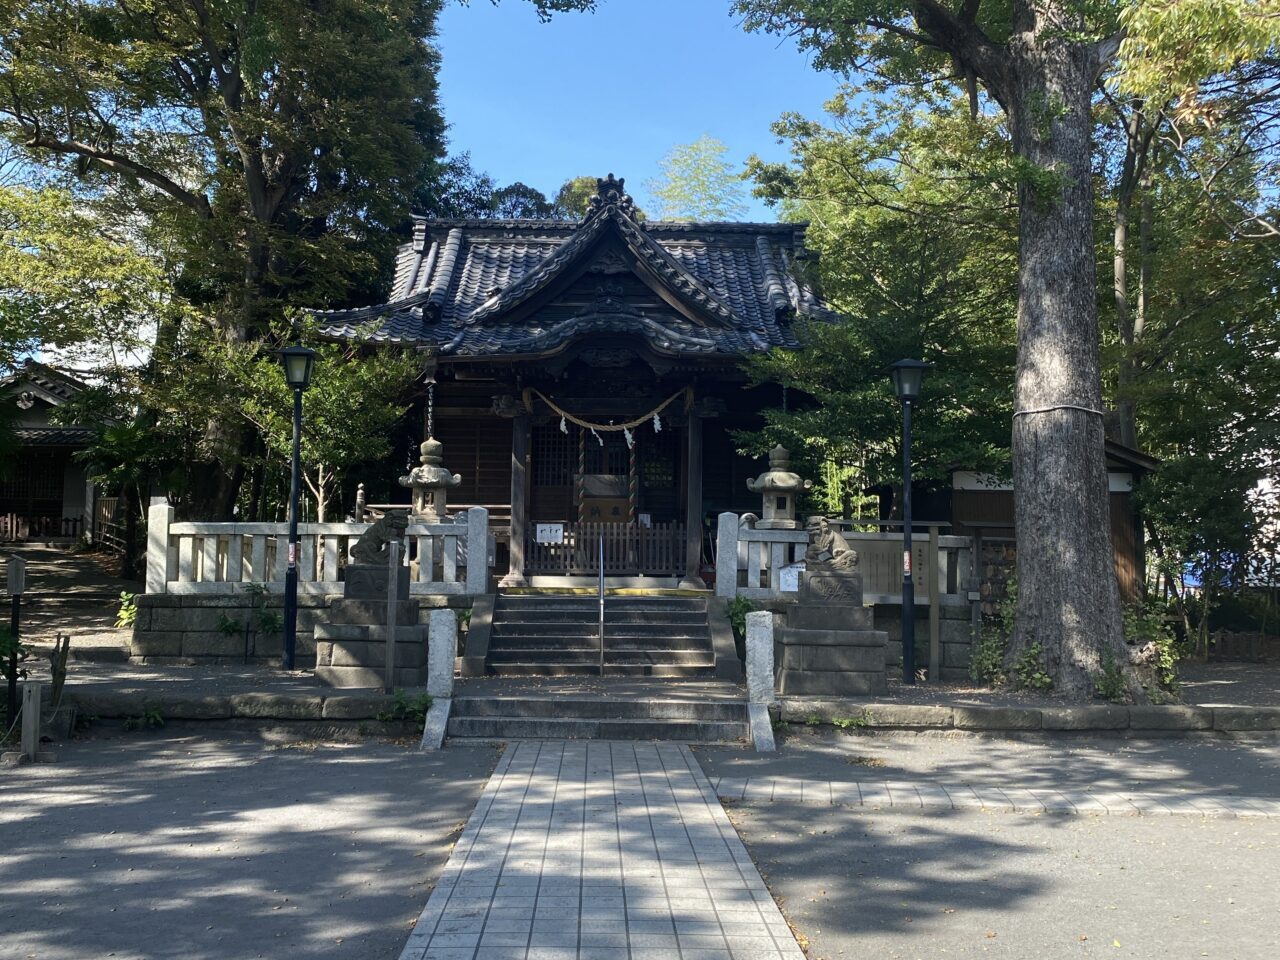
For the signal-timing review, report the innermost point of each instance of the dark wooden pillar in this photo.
(519, 499)
(693, 502)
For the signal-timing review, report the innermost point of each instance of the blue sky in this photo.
(614, 90)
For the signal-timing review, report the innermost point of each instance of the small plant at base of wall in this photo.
(151, 719)
(404, 710)
(127, 615)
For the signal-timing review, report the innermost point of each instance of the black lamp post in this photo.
(907, 375)
(298, 363)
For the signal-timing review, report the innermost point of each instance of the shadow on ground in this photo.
(212, 850)
(862, 883)
(1223, 767)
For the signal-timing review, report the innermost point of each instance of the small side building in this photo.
(45, 493)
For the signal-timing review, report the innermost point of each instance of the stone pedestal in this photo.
(351, 645)
(828, 646)
(370, 581)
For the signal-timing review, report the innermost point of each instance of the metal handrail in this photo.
(600, 581)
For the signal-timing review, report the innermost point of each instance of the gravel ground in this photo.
(161, 847)
(887, 884)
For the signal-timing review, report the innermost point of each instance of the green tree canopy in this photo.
(696, 182)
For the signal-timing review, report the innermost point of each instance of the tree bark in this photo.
(1068, 597)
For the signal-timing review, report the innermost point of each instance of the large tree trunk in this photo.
(1068, 598)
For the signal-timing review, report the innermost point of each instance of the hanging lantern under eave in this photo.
(779, 487)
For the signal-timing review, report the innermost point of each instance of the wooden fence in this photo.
(19, 526)
(220, 558)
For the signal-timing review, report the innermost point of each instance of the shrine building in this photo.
(584, 377)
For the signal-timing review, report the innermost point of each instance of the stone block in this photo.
(829, 657)
(833, 683)
(955, 674)
(370, 581)
(910, 715)
(157, 600)
(996, 718)
(1246, 718)
(351, 631)
(277, 706)
(355, 706)
(190, 619)
(1170, 717)
(368, 677)
(760, 648)
(442, 650)
(373, 653)
(1097, 717)
(104, 703)
(832, 638)
(156, 643)
(819, 586)
(956, 655)
(364, 611)
(189, 707)
(955, 632)
(830, 616)
(272, 644)
(212, 645)
(213, 601)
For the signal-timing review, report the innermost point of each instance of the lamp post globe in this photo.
(298, 363)
(907, 376)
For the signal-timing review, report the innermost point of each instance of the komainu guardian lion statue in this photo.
(372, 545)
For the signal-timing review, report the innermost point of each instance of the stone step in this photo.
(531, 614)
(517, 728)
(612, 641)
(599, 708)
(104, 654)
(552, 669)
(554, 602)
(592, 631)
(699, 658)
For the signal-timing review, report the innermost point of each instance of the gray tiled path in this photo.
(590, 849)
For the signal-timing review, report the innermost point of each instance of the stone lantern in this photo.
(778, 486)
(430, 482)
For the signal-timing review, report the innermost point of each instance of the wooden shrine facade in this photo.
(585, 376)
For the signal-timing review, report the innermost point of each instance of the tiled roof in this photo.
(487, 287)
(55, 386)
(55, 436)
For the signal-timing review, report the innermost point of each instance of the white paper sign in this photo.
(789, 577)
(549, 533)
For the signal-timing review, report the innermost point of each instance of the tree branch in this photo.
(114, 161)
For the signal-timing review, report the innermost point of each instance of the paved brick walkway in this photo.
(930, 795)
(581, 850)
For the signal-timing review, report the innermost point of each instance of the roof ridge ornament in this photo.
(611, 192)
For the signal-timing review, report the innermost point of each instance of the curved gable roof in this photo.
(476, 288)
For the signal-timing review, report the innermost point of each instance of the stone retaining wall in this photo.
(955, 631)
(1117, 718)
(186, 629)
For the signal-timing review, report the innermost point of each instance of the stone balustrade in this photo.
(221, 558)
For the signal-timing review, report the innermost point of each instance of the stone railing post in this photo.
(760, 682)
(159, 516)
(477, 551)
(442, 649)
(727, 555)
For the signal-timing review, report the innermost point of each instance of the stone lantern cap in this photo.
(429, 481)
(779, 478)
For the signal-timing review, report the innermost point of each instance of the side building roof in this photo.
(489, 288)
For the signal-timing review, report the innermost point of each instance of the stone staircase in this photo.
(609, 709)
(549, 634)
